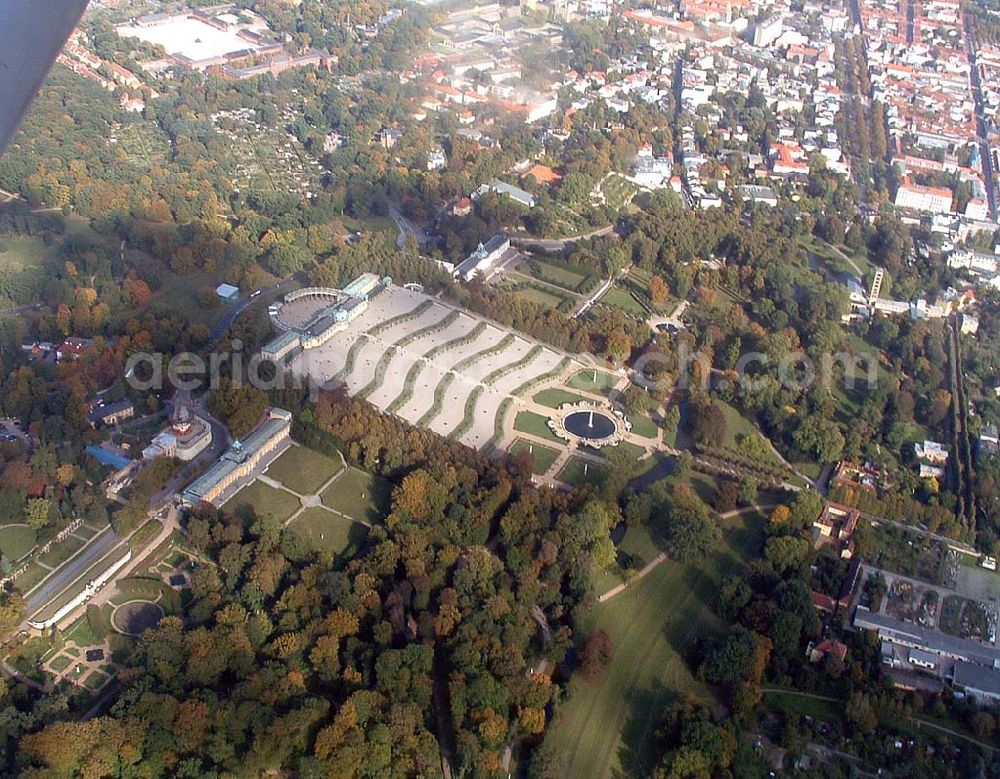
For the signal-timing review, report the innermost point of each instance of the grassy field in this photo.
(562, 275)
(544, 456)
(618, 191)
(738, 425)
(634, 451)
(825, 255)
(850, 399)
(302, 470)
(796, 705)
(602, 385)
(265, 500)
(578, 472)
(535, 424)
(179, 295)
(31, 578)
(620, 298)
(555, 397)
(140, 538)
(644, 426)
(544, 296)
(327, 532)
(606, 729)
(359, 495)
(61, 552)
(18, 252)
(16, 541)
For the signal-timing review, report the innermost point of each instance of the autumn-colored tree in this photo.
(780, 515)
(596, 655)
(658, 290)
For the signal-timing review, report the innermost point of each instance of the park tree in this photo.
(708, 423)
(37, 513)
(688, 528)
(596, 655)
(860, 714)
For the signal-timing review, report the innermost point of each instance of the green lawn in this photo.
(644, 426)
(60, 663)
(138, 540)
(607, 729)
(578, 472)
(544, 296)
(851, 399)
(61, 552)
(32, 577)
(327, 532)
(620, 298)
(179, 295)
(618, 191)
(561, 275)
(95, 680)
(825, 255)
(359, 495)
(738, 425)
(636, 549)
(597, 382)
(634, 452)
(16, 541)
(266, 500)
(18, 252)
(555, 397)
(535, 424)
(544, 456)
(788, 703)
(303, 470)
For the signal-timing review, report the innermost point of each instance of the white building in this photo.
(436, 159)
(767, 31)
(936, 200)
(483, 259)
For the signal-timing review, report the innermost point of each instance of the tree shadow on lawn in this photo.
(639, 751)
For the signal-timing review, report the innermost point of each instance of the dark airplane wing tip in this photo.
(32, 32)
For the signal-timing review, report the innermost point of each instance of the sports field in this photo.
(606, 729)
(189, 37)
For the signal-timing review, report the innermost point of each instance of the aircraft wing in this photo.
(32, 33)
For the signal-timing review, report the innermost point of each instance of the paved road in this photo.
(9, 312)
(981, 126)
(921, 723)
(234, 313)
(558, 244)
(66, 574)
(406, 228)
